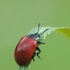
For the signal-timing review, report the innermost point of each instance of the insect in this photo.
(25, 49)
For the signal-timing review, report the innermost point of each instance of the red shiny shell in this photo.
(24, 50)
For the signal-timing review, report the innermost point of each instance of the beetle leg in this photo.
(39, 51)
(40, 42)
(33, 56)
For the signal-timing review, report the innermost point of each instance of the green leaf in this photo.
(64, 30)
(42, 29)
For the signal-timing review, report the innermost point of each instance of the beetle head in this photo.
(36, 36)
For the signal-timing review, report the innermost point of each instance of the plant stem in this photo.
(24, 67)
(21, 68)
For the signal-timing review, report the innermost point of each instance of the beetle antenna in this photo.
(44, 31)
(38, 27)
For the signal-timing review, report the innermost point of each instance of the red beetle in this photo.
(25, 49)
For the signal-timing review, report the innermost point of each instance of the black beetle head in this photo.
(36, 36)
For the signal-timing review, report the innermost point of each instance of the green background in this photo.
(17, 17)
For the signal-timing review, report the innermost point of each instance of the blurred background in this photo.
(17, 17)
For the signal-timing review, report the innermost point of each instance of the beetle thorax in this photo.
(35, 36)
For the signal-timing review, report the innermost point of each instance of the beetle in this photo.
(25, 49)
